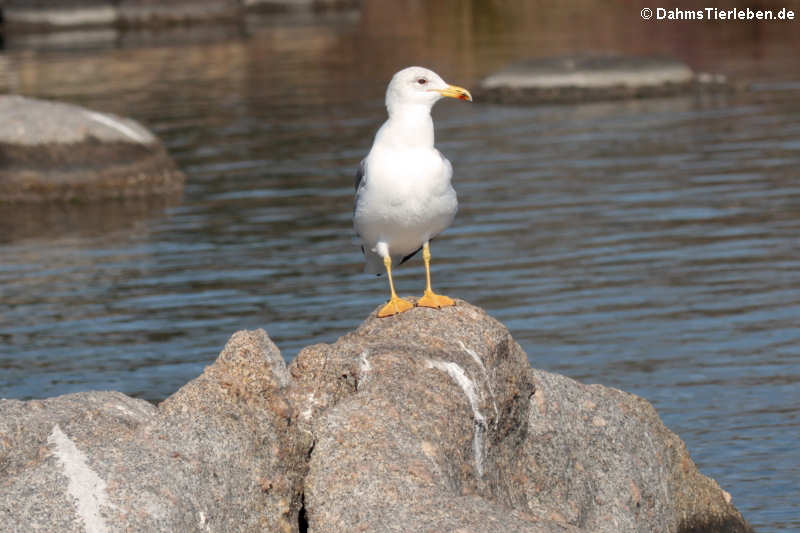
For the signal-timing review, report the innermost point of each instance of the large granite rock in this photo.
(434, 421)
(594, 77)
(414, 420)
(56, 151)
(602, 459)
(426, 421)
(219, 455)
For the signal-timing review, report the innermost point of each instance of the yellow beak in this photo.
(454, 91)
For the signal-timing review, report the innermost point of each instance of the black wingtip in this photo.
(409, 256)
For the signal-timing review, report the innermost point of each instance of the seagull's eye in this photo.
(422, 81)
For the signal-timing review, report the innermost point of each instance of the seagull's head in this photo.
(421, 86)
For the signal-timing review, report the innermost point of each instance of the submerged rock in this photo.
(590, 77)
(426, 421)
(56, 151)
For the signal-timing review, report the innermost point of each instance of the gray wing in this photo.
(359, 183)
(447, 164)
(360, 173)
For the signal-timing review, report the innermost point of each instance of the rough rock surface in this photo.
(56, 151)
(414, 418)
(426, 421)
(216, 456)
(434, 421)
(592, 77)
(601, 458)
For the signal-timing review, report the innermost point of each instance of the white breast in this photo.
(406, 198)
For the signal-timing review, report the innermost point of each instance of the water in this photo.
(650, 245)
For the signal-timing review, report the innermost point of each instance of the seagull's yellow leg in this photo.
(430, 298)
(396, 304)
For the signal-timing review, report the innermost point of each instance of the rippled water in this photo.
(648, 245)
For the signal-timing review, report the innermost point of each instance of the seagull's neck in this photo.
(409, 126)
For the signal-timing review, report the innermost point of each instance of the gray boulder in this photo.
(56, 151)
(431, 420)
(219, 455)
(594, 77)
(434, 421)
(414, 419)
(602, 459)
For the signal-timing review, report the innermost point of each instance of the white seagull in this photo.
(403, 193)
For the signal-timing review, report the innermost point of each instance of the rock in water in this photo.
(38, 15)
(594, 77)
(56, 151)
(431, 420)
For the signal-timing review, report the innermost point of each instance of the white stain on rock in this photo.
(139, 137)
(458, 375)
(308, 411)
(364, 368)
(488, 381)
(203, 523)
(125, 410)
(84, 485)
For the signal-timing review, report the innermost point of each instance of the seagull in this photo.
(403, 193)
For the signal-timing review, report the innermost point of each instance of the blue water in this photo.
(648, 245)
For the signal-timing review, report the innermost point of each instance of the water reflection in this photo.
(648, 245)
(79, 221)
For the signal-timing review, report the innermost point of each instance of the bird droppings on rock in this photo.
(460, 377)
(330, 445)
(487, 381)
(86, 488)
